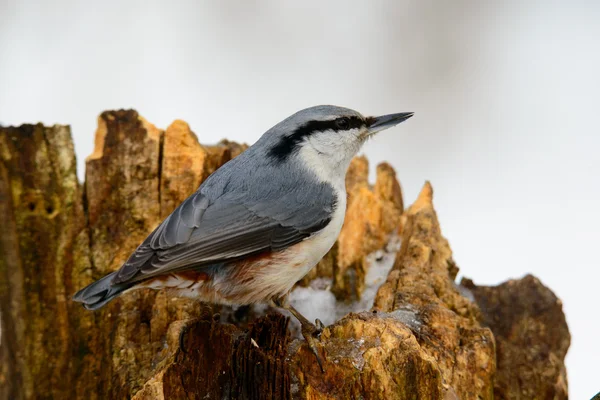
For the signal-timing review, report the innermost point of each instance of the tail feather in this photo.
(100, 292)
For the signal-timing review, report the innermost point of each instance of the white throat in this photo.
(331, 167)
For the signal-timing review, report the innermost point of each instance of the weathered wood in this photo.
(425, 337)
(44, 258)
(447, 323)
(220, 361)
(532, 338)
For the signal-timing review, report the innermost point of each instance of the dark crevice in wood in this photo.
(10, 370)
(161, 149)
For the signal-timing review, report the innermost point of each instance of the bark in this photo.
(425, 337)
(531, 335)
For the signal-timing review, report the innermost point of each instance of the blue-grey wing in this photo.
(203, 231)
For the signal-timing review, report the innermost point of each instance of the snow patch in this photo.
(317, 300)
(407, 315)
(465, 292)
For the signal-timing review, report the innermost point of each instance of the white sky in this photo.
(505, 95)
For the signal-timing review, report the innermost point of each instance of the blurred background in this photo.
(506, 96)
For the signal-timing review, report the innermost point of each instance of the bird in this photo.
(259, 223)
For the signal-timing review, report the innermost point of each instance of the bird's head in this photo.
(325, 136)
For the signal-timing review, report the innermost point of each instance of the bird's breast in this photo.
(321, 242)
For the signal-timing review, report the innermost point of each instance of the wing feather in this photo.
(200, 232)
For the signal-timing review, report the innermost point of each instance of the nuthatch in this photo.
(258, 224)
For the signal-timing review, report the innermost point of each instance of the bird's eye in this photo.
(342, 123)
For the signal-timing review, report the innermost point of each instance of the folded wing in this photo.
(202, 231)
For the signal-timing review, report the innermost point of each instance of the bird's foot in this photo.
(311, 333)
(319, 325)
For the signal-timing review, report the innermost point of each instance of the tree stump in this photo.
(419, 335)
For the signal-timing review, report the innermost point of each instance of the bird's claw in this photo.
(311, 334)
(319, 327)
(310, 331)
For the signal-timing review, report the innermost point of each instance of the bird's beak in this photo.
(377, 124)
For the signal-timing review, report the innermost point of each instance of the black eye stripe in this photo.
(342, 123)
(352, 123)
(287, 145)
(321, 126)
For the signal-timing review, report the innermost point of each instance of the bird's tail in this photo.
(99, 293)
